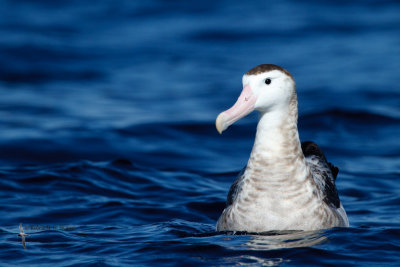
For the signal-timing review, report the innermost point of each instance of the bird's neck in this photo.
(277, 150)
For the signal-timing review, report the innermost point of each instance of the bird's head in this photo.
(266, 88)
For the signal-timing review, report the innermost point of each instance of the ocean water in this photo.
(108, 150)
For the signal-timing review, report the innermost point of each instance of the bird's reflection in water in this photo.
(269, 241)
(284, 239)
(249, 260)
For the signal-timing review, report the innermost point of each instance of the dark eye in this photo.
(267, 81)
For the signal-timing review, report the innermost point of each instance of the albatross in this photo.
(286, 185)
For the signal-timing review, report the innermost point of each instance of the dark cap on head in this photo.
(267, 67)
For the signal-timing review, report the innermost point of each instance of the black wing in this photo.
(235, 188)
(323, 172)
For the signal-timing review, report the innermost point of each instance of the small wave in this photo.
(349, 116)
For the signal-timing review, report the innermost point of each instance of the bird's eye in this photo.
(267, 81)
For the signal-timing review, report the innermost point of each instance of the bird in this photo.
(22, 235)
(286, 185)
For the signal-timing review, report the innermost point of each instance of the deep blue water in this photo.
(108, 150)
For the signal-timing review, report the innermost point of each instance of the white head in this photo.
(265, 88)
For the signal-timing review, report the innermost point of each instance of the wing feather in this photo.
(235, 188)
(324, 173)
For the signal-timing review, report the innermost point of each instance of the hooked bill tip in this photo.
(220, 123)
